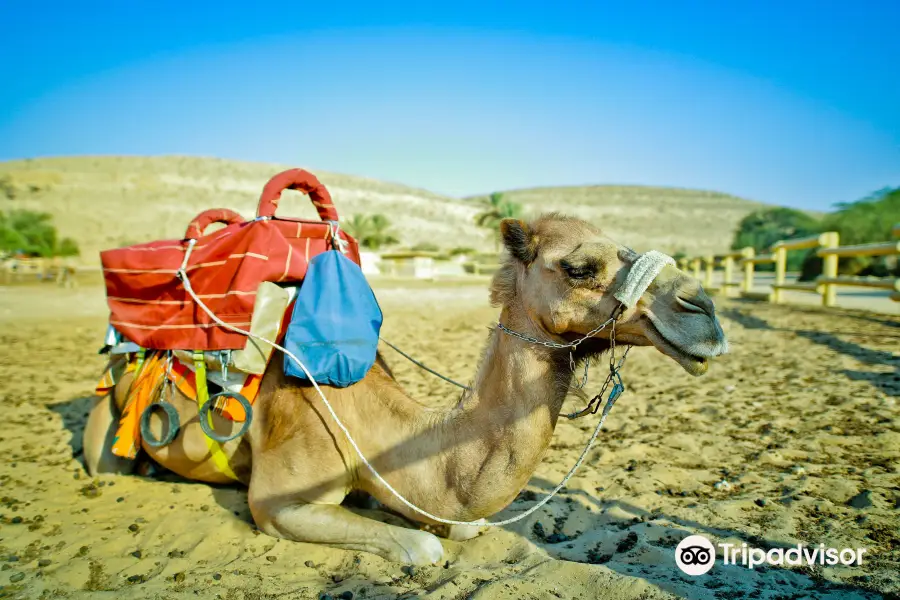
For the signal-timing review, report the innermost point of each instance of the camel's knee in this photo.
(264, 513)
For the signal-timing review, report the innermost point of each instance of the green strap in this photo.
(216, 453)
(141, 355)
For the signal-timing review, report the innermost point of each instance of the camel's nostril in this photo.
(696, 304)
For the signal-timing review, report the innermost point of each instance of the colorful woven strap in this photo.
(216, 452)
(148, 377)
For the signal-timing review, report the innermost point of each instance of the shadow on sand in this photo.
(886, 382)
(635, 542)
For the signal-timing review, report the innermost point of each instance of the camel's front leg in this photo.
(337, 526)
(296, 491)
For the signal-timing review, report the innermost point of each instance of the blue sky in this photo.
(794, 103)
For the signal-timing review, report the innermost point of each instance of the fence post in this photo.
(748, 269)
(728, 266)
(780, 270)
(829, 239)
(708, 277)
(695, 267)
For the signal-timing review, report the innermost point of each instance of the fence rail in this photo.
(826, 245)
(39, 269)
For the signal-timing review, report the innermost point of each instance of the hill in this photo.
(667, 219)
(104, 202)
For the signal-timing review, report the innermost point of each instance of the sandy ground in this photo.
(800, 421)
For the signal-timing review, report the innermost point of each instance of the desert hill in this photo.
(103, 202)
(667, 219)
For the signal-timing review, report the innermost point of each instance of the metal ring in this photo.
(172, 426)
(204, 416)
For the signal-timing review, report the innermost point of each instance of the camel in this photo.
(462, 463)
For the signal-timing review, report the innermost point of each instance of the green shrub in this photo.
(33, 233)
(866, 221)
(762, 228)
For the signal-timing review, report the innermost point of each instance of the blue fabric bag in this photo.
(335, 323)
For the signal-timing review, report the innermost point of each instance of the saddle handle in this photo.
(214, 215)
(302, 181)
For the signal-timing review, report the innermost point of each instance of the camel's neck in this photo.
(470, 461)
(502, 429)
(519, 383)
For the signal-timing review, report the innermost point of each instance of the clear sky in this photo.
(790, 102)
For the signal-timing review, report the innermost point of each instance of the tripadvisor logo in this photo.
(696, 555)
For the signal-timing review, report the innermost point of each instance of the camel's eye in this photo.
(577, 271)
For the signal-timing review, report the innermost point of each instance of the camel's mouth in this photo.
(693, 364)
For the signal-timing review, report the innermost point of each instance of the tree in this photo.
(498, 209)
(10, 239)
(67, 247)
(763, 228)
(864, 221)
(867, 220)
(371, 231)
(33, 233)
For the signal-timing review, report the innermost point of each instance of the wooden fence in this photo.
(38, 269)
(827, 246)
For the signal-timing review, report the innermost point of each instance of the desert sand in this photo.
(793, 437)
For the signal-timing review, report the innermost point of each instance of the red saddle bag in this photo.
(149, 304)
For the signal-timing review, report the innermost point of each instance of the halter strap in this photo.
(644, 270)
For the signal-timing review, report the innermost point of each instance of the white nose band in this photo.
(644, 270)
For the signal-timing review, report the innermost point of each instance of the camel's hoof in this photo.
(422, 549)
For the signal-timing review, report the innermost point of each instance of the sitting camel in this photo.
(463, 463)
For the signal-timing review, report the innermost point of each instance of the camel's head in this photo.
(560, 280)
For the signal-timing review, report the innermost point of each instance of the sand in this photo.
(793, 437)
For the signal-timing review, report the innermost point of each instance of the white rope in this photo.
(182, 274)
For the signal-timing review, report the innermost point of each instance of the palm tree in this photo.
(498, 209)
(371, 231)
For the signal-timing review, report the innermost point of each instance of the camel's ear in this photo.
(519, 239)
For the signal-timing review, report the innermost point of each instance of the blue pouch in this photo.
(335, 323)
